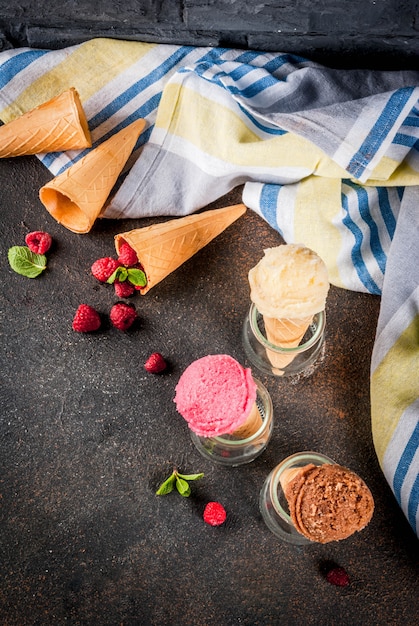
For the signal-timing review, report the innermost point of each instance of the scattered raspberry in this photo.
(124, 289)
(127, 255)
(103, 268)
(38, 241)
(338, 576)
(122, 315)
(155, 363)
(86, 319)
(214, 514)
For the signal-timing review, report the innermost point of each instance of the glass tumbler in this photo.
(232, 451)
(272, 359)
(273, 504)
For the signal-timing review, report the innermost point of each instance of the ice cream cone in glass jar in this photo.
(309, 498)
(284, 330)
(229, 413)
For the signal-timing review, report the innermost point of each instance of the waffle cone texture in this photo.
(252, 424)
(162, 248)
(284, 333)
(76, 197)
(57, 125)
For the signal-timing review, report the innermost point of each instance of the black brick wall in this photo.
(340, 33)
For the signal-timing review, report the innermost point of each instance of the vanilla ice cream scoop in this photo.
(290, 281)
(289, 287)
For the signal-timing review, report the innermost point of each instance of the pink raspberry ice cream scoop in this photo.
(215, 395)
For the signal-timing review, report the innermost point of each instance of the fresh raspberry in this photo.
(214, 514)
(38, 241)
(127, 255)
(105, 267)
(338, 576)
(86, 319)
(155, 363)
(123, 315)
(124, 289)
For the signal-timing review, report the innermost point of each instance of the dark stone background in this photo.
(340, 33)
(86, 436)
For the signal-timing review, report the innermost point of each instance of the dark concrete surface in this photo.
(373, 33)
(87, 435)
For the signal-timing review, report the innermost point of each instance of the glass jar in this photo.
(230, 450)
(272, 359)
(273, 504)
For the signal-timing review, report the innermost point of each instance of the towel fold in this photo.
(327, 157)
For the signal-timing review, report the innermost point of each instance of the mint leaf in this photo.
(181, 482)
(120, 273)
(167, 486)
(137, 277)
(183, 487)
(113, 276)
(191, 476)
(25, 262)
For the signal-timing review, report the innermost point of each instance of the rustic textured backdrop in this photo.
(373, 33)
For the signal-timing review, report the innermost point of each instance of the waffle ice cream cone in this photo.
(284, 333)
(288, 286)
(327, 502)
(287, 477)
(251, 425)
(162, 248)
(76, 197)
(57, 125)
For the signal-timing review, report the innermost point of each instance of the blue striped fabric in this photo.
(379, 131)
(361, 222)
(395, 363)
(268, 205)
(19, 61)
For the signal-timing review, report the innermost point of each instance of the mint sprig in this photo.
(134, 275)
(120, 273)
(180, 481)
(25, 262)
(137, 277)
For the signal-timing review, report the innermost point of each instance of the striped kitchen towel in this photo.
(395, 363)
(327, 157)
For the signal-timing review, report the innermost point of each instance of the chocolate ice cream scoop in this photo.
(327, 502)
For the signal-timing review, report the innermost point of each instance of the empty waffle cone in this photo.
(284, 333)
(57, 125)
(76, 197)
(251, 425)
(162, 248)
